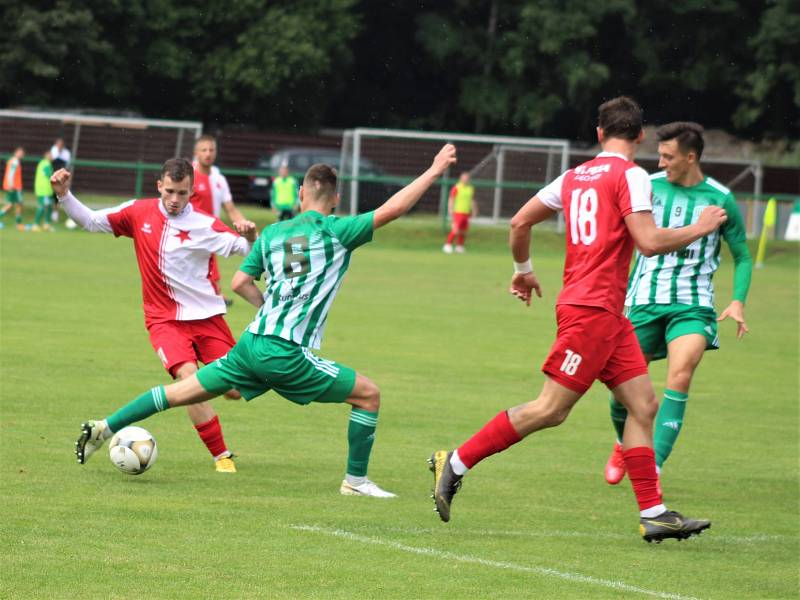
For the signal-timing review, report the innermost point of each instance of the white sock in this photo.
(459, 468)
(106, 433)
(653, 511)
(355, 481)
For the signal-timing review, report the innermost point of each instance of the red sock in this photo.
(497, 435)
(640, 463)
(211, 434)
(450, 237)
(460, 239)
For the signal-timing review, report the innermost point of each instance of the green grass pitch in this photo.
(449, 348)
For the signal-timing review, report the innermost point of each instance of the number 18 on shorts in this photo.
(593, 343)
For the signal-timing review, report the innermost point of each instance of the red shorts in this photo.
(178, 342)
(461, 221)
(593, 343)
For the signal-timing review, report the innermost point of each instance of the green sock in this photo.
(48, 211)
(18, 219)
(149, 403)
(618, 415)
(669, 421)
(360, 436)
(39, 212)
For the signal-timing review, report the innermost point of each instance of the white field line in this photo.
(574, 577)
(708, 537)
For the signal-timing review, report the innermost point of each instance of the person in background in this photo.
(60, 157)
(284, 193)
(12, 184)
(461, 207)
(43, 190)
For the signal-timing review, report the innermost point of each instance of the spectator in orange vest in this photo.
(12, 184)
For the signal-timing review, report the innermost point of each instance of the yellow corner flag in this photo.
(770, 215)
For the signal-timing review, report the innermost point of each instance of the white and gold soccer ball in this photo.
(133, 450)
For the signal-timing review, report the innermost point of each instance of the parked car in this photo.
(371, 194)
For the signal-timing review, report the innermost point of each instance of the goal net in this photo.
(110, 155)
(505, 171)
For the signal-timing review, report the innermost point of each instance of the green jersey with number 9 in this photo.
(305, 259)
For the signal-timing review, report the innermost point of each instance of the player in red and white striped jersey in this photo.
(174, 245)
(211, 192)
(606, 202)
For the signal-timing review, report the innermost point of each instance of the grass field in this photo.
(449, 348)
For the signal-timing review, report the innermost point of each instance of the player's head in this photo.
(205, 150)
(464, 177)
(59, 143)
(680, 146)
(620, 118)
(283, 170)
(175, 184)
(19, 152)
(318, 191)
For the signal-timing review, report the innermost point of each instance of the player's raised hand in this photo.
(522, 284)
(445, 159)
(246, 229)
(711, 218)
(60, 181)
(735, 311)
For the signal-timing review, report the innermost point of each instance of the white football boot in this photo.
(368, 488)
(92, 438)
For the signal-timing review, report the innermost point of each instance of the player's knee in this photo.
(547, 414)
(680, 379)
(649, 407)
(556, 415)
(371, 396)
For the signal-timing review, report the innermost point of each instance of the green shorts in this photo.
(14, 196)
(658, 324)
(259, 363)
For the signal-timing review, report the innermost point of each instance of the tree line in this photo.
(526, 67)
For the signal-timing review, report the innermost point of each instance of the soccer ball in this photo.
(70, 224)
(133, 450)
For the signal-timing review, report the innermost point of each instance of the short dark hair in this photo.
(178, 169)
(206, 137)
(320, 181)
(688, 134)
(620, 117)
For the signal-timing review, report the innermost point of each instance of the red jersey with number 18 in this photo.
(596, 197)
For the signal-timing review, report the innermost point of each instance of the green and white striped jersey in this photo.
(305, 259)
(684, 276)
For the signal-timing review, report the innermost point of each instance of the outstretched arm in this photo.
(652, 240)
(90, 220)
(404, 200)
(233, 213)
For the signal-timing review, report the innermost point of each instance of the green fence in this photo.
(753, 204)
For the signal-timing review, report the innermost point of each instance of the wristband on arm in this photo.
(523, 267)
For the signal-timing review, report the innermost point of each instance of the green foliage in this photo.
(237, 61)
(541, 59)
(515, 66)
(771, 92)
